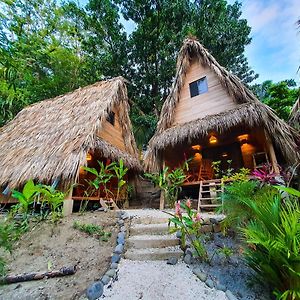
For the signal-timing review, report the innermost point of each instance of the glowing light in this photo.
(224, 154)
(198, 157)
(213, 139)
(243, 138)
(88, 157)
(196, 147)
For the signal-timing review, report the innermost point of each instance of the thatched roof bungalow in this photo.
(295, 115)
(210, 115)
(51, 139)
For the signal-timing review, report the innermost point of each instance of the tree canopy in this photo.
(51, 47)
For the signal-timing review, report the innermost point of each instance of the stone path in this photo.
(144, 273)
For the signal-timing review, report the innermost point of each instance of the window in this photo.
(198, 87)
(111, 118)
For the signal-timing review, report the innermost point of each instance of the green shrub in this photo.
(273, 235)
(93, 230)
(169, 182)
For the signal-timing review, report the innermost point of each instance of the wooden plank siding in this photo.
(214, 101)
(113, 134)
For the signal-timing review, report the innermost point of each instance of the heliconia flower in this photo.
(198, 217)
(188, 203)
(177, 209)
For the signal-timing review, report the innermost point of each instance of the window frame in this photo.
(194, 87)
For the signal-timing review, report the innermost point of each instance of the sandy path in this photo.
(153, 280)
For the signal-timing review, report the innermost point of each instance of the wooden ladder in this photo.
(210, 192)
(109, 204)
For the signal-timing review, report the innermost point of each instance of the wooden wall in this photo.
(214, 101)
(113, 134)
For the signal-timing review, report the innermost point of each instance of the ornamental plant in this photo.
(169, 182)
(188, 222)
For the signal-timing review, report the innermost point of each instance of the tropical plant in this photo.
(120, 172)
(169, 182)
(265, 175)
(102, 177)
(234, 199)
(26, 197)
(273, 236)
(52, 198)
(241, 175)
(188, 221)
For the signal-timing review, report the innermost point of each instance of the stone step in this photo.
(155, 229)
(152, 241)
(153, 253)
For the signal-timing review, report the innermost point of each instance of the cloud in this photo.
(275, 49)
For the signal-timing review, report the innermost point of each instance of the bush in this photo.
(273, 235)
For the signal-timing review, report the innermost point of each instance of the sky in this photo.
(274, 52)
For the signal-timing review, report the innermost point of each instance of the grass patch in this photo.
(94, 230)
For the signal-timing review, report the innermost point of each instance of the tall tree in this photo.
(39, 57)
(280, 96)
(160, 27)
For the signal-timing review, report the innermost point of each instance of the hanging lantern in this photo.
(213, 139)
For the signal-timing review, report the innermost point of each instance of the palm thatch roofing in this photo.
(51, 139)
(249, 111)
(295, 115)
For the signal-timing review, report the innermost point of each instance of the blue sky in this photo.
(274, 52)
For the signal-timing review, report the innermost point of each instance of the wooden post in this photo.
(68, 204)
(162, 194)
(271, 152)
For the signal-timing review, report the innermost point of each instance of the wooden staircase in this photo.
(210, 192)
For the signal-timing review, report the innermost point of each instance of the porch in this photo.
(218, 155)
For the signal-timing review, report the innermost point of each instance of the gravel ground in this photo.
(151, 280)
(233, 273)
(154, 213)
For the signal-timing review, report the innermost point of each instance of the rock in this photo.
(121, 235)
(187, 259)
(188, 251)
(120, 213)
(120, 222)
(206, 228)
(121, 238)
(217, 228)
(221, 287)
(233, 261)
(214, 221)
(114, 266)
(105, 279)
(111, 273)
(201, 275)
(125, 216)
(121, 241)
(209, 283)
(119, 249)
(102, 209)
(178, 234)
(95, 290)
(123, 229)
(115, 258)
(230, 296)
(172, 261)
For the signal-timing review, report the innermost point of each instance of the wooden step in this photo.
(209, 205)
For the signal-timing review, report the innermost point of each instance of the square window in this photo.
(198, 87)
(111, 118)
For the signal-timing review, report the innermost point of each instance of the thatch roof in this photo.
(295, 115)
(249, 111)
(50, 139)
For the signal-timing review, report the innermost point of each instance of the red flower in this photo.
(188, 203)
(177, 209)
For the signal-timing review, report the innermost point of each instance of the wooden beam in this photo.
(68, 204)
(271, 152)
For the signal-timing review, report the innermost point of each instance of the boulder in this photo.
(95, 290)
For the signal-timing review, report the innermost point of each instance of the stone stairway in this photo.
(149, 239)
